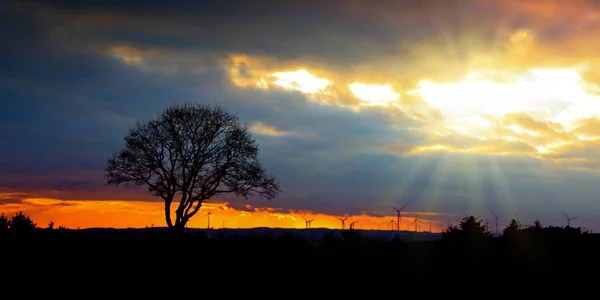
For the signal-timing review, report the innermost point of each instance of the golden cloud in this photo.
(264, 129)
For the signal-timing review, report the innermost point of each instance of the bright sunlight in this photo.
(301, 80)
(374, 94)
(557, 95)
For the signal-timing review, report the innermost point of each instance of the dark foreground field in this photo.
(467, 252)
(120, 252)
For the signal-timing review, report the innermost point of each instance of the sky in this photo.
(454, 107)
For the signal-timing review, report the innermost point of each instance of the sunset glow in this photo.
(139, 214)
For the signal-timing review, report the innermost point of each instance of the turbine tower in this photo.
(569, 219)
(496, 217)
(208, 225)
(399, 216)
(352, 225)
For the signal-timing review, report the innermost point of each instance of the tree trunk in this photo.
(168, 213)
(177, 230)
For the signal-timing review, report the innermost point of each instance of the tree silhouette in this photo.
(4, 223)
(511, 229)
(191, 152)
(537, 225)
(470, 228)
(21, 223)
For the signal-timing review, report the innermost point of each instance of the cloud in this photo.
(11, 198)
(475, 111)
(30, 200)
(589, 127)
(403, 38)
(264, 129)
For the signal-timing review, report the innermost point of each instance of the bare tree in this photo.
(191, 152)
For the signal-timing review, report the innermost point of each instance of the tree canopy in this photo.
(191, 152)
(470, 228)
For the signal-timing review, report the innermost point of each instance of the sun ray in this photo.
(436, 182)
(473, 183)
(407, 180)
(502, 189)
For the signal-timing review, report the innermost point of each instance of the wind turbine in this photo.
(416, 222)
(305, 221)
(497, 217)
(352, 224)
(519, 222)
(391, 224)
(343, 220)
(399, 217)
(569, 219)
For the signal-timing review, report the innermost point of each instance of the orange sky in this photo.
(139, 214)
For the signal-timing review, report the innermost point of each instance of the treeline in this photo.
(535, 248)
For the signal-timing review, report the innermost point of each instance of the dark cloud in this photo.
(54, 180)
(61, 203)
(242, 207)
(11, 198)
(63, 105)
(339, 34)
(237, 26)
(19, 198)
